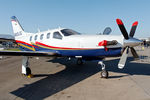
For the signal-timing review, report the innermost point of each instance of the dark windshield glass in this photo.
(68, 32)
(57, 35)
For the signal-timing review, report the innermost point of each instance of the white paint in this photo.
(25, 64)
(73, 41)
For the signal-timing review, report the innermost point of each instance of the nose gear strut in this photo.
(104, 72)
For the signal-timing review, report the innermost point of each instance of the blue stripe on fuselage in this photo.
(90, 52)
(94, 52)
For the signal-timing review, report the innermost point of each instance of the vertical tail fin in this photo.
(17, 28)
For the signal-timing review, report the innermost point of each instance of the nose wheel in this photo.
(104, 72)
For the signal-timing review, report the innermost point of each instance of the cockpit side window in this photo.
(68, 32)
(57, 35)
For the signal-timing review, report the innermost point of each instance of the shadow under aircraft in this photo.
(74, 74)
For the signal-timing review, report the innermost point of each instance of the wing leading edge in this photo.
(29, 53)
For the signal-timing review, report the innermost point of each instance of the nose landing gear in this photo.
(104, 72)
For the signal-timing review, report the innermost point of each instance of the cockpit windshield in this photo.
(68, 32)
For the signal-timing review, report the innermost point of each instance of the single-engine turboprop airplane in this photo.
(63, 42)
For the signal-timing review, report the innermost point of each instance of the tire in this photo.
(104, 74)
(28, 71)
(79, 62)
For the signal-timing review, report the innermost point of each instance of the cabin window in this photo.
(57, 35)
(48, 35)
(41, 37)
(30, 38)
(35, 38)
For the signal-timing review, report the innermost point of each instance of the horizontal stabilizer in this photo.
(7, 37)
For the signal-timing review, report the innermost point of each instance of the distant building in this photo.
(146, 41)
(7, 41)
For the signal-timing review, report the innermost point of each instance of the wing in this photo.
(29, 53)
(7, 37)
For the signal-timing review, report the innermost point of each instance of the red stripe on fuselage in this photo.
(24, 43)
(61, 47)
(18, 41)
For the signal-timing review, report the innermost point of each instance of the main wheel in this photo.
(28, 70)
(104, 74)
(28, 74)
(79, 62)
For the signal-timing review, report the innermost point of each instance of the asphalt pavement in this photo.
(61, 79)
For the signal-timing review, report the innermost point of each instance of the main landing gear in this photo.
(79, 61)
(104, 72)
(25, 67)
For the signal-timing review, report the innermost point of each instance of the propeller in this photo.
(123, 58)
(129, 42)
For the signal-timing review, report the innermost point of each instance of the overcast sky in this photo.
(85, 16)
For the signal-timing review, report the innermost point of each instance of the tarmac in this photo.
(61, 79)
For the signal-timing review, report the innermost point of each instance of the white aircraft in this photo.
(63, 42)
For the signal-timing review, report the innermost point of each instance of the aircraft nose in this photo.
(132, 42)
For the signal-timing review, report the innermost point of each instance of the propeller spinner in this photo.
(129, 42)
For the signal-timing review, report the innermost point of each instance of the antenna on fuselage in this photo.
(59, 27)
(38, 30)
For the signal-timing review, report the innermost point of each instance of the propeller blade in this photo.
(132, 31)
(123, 58)
(134, 53)
(122, 29)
